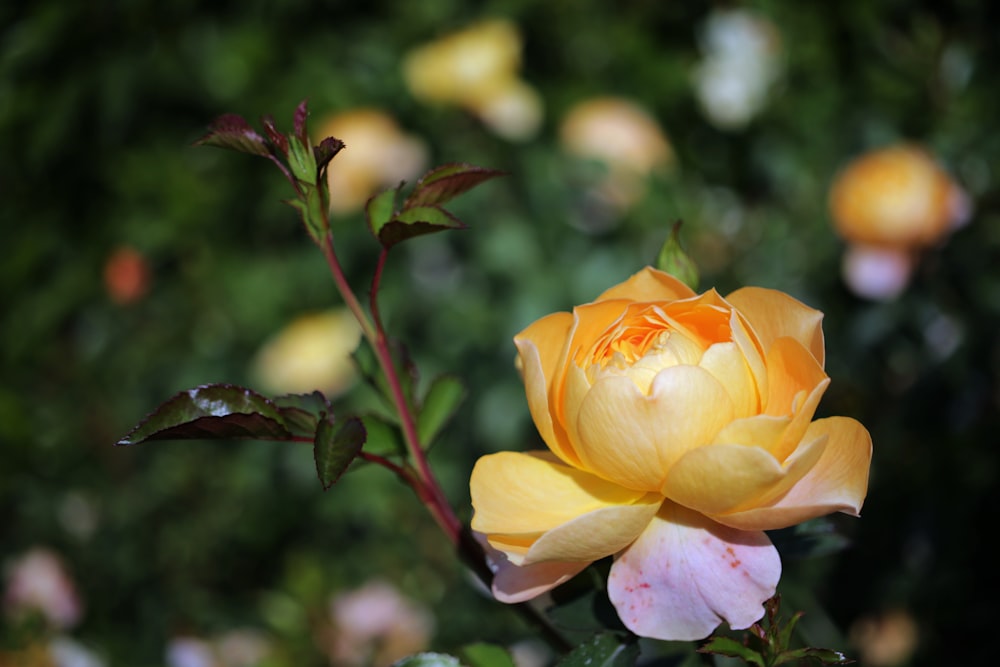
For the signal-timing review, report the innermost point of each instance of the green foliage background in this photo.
(99, 105)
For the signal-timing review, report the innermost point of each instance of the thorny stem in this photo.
(376, 282)
(422, 480)
(426, 485)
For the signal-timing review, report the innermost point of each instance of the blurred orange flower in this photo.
(889, 204)
(126, 275)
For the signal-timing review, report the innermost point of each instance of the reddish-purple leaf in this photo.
(446, 182)
(233, 132)
(301, 114)
(278, 140)
(216, 411)
(325, 152)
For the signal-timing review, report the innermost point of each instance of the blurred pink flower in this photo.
(38, 581)
(375, 625)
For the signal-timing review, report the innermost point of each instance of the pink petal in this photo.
(686, 574)
(512, 584)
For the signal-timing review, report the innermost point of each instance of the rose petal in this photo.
(790, 369)
(513, 584)
(649, 284)
(752, 349)
(802, 415)
(717, 478)
(725, 361)
(534, 508)
(542, 346)
(596, 534)
(686, 574)
(774, 314)
(837, 482)
(633, 439)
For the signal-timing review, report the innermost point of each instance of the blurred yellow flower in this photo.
(377, 154)
(885, 640)
(680, 428)
(889, 204)
(622, 135)
(312, 352)
(478, 69)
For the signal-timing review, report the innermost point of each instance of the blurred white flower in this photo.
(312, 352)
(189, 652)
(478, 69)
(375, 625)
(66, 652)
(237, 648)
(377, 154)
(38, 581)
(78, 515)
(742, 61)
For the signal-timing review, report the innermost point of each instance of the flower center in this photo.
(641, 344)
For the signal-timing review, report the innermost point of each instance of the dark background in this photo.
(99, 105)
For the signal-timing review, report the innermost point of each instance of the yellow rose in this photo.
(679, 428)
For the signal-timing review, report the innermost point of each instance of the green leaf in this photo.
(675, 261)
(234, 133)
(302, 412)
(380, 209)
(823, 655)
(335, 447)
(603, 650)
(384, 438)
(371, 371)
(446, 182)
(416, 221)
(215, 411)
(485, 655)
(443, 397)
(429, 660)
(732, 648)
(301, 160)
